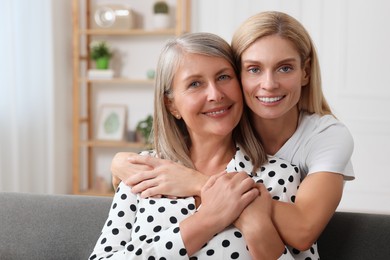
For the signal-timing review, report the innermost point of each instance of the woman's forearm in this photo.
(301, 223)
(263, 240)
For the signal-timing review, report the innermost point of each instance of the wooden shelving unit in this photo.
(84, 142)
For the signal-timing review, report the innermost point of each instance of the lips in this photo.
(216, 112)
(270, 100)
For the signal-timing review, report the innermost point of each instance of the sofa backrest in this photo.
(356, 236)
(67, 227)
(50, 226)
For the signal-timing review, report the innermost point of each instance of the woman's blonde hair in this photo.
(170, 136)
(269, 23)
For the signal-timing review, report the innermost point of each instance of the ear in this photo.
(171, 107)
(306, 73)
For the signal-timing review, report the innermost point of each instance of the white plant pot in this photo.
(161, 21)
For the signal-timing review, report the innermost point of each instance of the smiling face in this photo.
(272, 77)
(206, 95)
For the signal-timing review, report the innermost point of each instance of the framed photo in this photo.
(112, 122)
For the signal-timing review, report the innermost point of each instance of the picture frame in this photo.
(112, 123)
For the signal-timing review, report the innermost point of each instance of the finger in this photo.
(155, 188)
(243, 180)
(211, 181)
(144, 185)
(237, 176)
(140, 177)
(151, 192)
(261, 187)
(145, 160)
(249, 196)
(155, 197)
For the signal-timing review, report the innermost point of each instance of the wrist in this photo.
(201, 179)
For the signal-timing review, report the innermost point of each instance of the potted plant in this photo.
(144, 128)
(161, 15)
(100, 52)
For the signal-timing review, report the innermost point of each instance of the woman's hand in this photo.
(223, 196)
(260, 208)
(152, 176)
(226, 195)
(255, 223)
(121, 169)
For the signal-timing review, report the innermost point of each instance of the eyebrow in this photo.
(279, 62)
(224, 69)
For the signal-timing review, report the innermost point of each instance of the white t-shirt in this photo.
(320, 144)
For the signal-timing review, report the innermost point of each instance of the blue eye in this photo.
(223, 77)
(254, 70)
(286, 69)
(194, 84)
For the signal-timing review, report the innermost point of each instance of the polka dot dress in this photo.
(139, 228)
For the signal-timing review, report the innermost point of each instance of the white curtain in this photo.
(35, 83)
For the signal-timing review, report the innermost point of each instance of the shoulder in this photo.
(322, 129)
(319, 123)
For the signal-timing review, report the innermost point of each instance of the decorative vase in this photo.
(102, 63)
(161, 21)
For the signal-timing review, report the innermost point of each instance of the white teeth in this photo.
(269, 99)
(216, 112)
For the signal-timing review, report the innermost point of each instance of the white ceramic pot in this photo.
(161, 21)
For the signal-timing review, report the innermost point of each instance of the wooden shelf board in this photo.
(134, 32)
(120, 81)
(99, 143)
(95, 193)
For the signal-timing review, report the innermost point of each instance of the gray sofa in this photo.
(67, 226)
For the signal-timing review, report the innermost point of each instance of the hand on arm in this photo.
(224, 197)
(121, 169)
(256, 224)
(301, 223)
(152, 176)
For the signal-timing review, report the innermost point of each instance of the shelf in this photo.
(134, 32)
(113, 144)
(119, 81)
(92, 192)
(88, 84)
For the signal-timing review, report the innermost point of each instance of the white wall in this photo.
(353, 39)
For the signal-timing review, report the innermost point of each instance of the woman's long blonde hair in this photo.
(269, 23)
(170, 136)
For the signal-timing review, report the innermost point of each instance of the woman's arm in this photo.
(301, 223)
(256, 225)
(151, 176)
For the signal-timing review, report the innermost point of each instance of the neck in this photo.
(274, 133)
(212, 157)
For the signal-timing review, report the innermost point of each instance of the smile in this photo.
(216, 112)
(270, 99)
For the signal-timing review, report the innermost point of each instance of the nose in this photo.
(215, 93)
(269, 81)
